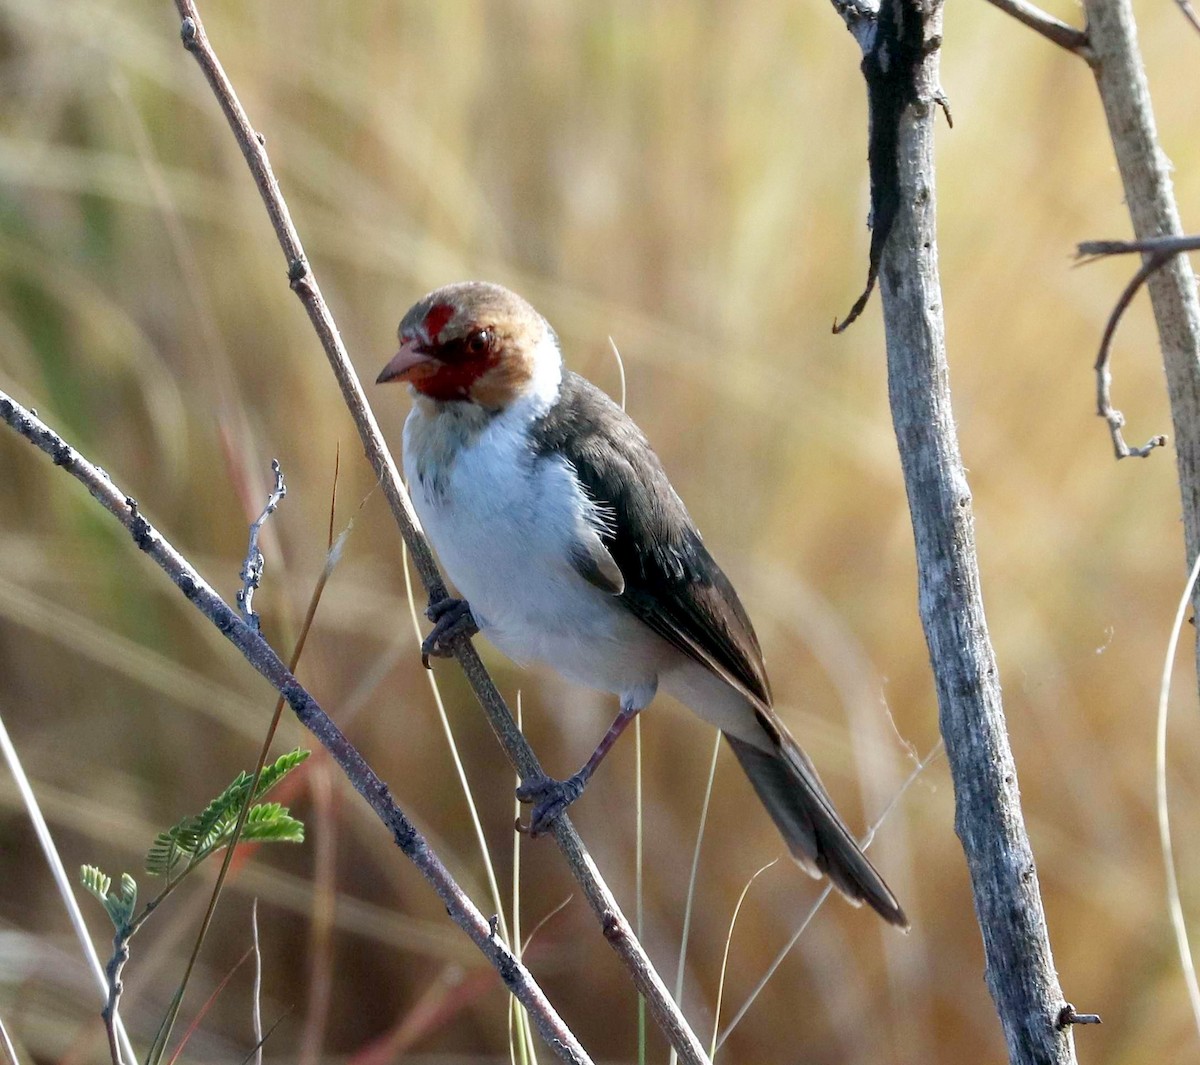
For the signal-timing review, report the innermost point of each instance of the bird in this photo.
(556, 522)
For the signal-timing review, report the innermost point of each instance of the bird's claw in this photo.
(452, 621)
(550, 798)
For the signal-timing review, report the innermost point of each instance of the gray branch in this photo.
(1062, 34)
(263, 658)
(613, 922)
(1146, 177)
(1020, 968)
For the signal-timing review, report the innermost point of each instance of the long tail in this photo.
(787, 783)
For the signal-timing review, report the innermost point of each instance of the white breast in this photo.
(503, 523)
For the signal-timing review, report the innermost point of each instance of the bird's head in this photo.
(475, 342)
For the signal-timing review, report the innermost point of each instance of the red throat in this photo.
(451, 381)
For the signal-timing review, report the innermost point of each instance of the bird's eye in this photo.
(479, 341)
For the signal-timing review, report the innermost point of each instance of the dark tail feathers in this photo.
(794, 796)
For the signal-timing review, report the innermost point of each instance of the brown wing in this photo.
(672, 583)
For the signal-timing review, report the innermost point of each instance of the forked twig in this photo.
(601, 899)
(1158, 251)
(263, 658)
(252, 568)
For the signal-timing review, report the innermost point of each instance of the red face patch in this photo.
(436, 319)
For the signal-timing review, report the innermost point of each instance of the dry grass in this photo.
(688, 179)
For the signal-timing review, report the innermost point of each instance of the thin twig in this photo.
(1104, 406)
(1189, 13)
(1062, 34)
(263, 658)
(1174, 904)
(10, 1052)
(252, 568)
(59, 874)
(1091, 250)
(1158, 251)
(256, 993)
(601, 899)
(111, 1011)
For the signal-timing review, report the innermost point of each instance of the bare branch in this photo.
(1062, 34)
(988, 818)
(252, 568)
(1091, 250)
(616, 926)
(263, 658)
(1189, 13)
(1145, 176)
(1104, 406)
(1068, 1016)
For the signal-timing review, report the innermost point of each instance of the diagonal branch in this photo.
(1061, 33)
(615, 925)
(263, 658)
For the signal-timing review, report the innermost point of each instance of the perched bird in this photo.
(555, 520)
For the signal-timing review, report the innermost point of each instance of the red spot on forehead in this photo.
(436, 319)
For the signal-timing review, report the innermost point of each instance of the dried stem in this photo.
(1020, 969)
(1146, 179)
(602, 901)
(264, 659)
(252, 568)
(1062, 34)
(1189, 13)
(1158, 251)
(111, 1010)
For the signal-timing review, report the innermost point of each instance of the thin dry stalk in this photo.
(602, 901)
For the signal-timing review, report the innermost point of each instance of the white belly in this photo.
(503, 523)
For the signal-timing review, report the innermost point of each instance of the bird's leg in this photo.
(452, 621)
(551, 797)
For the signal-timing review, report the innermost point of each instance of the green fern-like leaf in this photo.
(121, 906)
(282, 766)
(194, 838)
(118, 905)
(96, 881)
(268, 822)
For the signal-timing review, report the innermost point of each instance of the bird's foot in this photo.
(550, 798)
(452, 621)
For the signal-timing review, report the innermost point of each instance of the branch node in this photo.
(941, 100)
(187, 33)
(297, 270)
(1067, 1016)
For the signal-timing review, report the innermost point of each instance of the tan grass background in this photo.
(688, 178)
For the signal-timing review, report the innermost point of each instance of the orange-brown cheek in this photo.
(502, 383)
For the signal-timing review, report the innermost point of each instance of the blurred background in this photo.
(689, 179)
